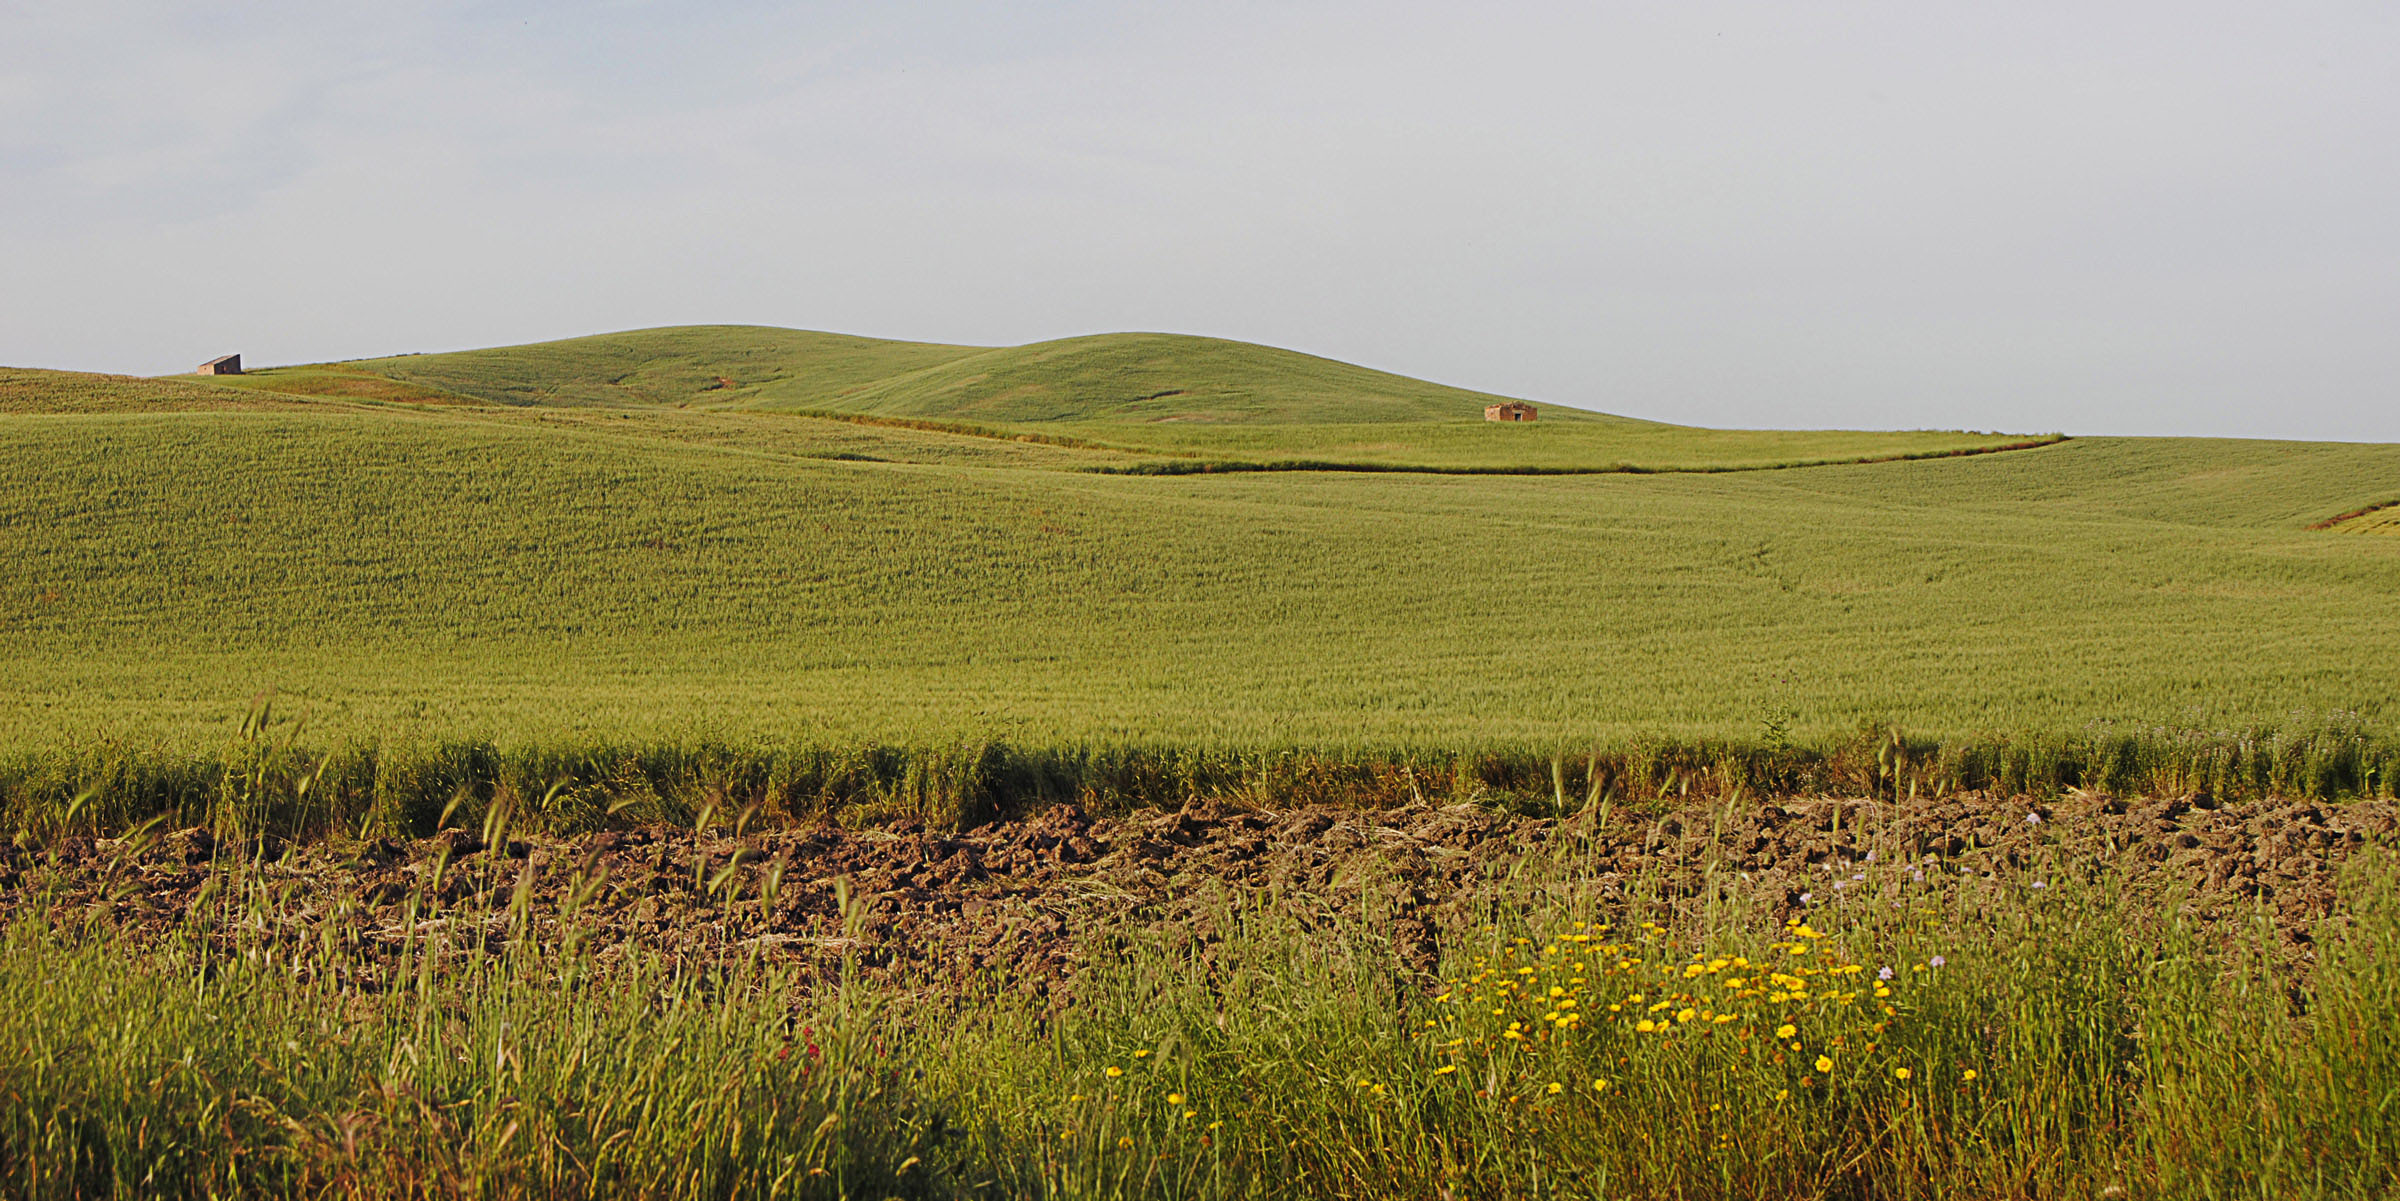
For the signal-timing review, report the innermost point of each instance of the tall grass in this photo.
(257, 1070)
(2027, 1041)
(268, 781)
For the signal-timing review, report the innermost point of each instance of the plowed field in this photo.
(1025, 901)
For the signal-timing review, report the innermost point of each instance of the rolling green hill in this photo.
(1146, 378)
(1173, 402)
(1106, 377)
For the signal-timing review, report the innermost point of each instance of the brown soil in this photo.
(2354, 516)
(1024, 901)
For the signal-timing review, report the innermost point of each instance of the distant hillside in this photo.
(32, 390)
(1103, 377)
(1131, 378)
(1175, 402)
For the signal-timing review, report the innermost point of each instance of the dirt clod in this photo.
(1027, 899)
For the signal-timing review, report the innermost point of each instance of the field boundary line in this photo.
(2355, 514)
(1197, 463)
(1210, 467)
(967, 429)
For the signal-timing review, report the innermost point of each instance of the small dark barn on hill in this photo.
(229, 365)
(1515, 410)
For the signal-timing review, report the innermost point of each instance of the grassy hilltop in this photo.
(600, 543)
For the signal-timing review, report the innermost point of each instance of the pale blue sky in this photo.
(2170, 218)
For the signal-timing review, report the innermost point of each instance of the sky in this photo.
(2176, 218)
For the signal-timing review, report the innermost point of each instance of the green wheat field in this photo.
(783, 541)
(665, 577)
(628, 549)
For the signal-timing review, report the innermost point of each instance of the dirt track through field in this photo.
(1022, 902)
